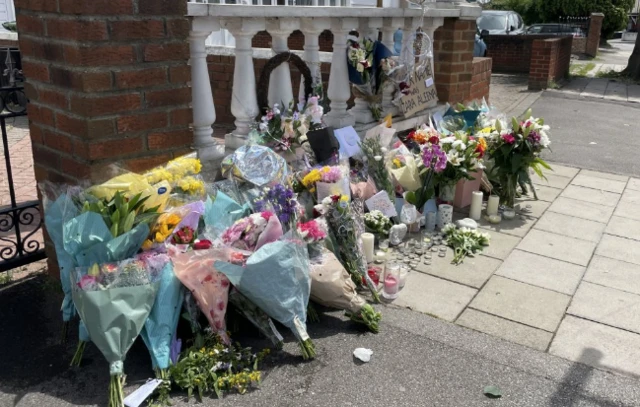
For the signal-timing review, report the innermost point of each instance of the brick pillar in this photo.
(107, 82)
(453, 58)
(593, 37)
(542, 67)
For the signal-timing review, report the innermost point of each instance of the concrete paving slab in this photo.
(624, 227)
(596, 88)
(519, 226)
(542, 271)
(616, 91)
(627, 210)
(558, 247)
(524, 303)
(562, 171)
(634, 183)
(582, 209)
(607, 305)
(552, 180)
(633, 93)
(434, 296)
(531, 207)
(599, 183)
(505, 329)
(501, 245)
(576, 85)
(619, 248)
(547, 194)
(604, 175)
(590, 195)
(474, 271)
(571, 226)
(614, 273)
(597, 345)
(630, 195)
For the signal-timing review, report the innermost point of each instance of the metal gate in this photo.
(20, 222)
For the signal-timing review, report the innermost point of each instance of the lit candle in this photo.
(391, 286)
(492, 205)
(367, 245)
(476, 205)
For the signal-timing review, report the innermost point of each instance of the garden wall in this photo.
(550, 60)
(481, 79)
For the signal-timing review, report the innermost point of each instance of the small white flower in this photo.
(447, 140)
(360, 67)
(384, 149)
(378, 158)
(276, 111)
(263, 127)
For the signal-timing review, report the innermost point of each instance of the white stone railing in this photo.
(244, 22)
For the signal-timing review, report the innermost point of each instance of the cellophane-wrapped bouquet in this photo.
(375, 154)
(114, 300)
(343, 224)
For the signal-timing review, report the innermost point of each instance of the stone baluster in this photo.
(429, 26)
(244, 102)
(339, 90)
(280, 89)
(389, 28)
(408, 36)
(204, 113)
(312, 28)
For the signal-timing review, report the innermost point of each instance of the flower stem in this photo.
(65, 330)
(116, 394)
(77, 357)
(308, 349)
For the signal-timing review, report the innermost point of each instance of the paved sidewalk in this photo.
(562, 277)
(601, 88)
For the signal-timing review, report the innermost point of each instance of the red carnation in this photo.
(202, 245)
(434, 140)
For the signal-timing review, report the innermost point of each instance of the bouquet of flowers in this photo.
(181, 173)
(103, 294)
(364, 58)
(463, 154)
(281, 200)
(342, 223)
(160, 327)
(514, 150)
(313, 232)
(196, 270)
(376, 223)
(362, 185)
(373, 150)
(327, 180)
(332, 287)
(252, 232)
(402, 164)
(464, 242)
(256, 316)
(276, 278)
(288, 128)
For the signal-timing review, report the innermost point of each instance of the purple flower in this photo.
(534, 137)
(174, 350)
(434, 157)
(281, 200)
(509, 138)
(296, 115)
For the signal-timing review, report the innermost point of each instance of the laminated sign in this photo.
(422, 92)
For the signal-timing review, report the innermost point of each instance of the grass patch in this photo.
(617, 76)
(6, 277)
(581, 70)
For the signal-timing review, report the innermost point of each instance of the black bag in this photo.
(323, 143)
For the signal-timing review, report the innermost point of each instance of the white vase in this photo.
(445, 215)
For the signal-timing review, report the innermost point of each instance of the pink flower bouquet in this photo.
(252, 232)
(195, 269)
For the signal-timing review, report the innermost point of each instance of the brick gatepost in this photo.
(593, 37)
(453, 59)
(108, 82)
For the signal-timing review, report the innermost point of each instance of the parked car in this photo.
(556, 29)
(500, 22)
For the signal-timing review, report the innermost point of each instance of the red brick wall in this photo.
(481, 79)
(579, 45)
(107, 82)
(295, 42)
(550, 60)
(453, 59)
(512, 53)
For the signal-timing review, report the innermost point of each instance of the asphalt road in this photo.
(417, 361)
(592, 134)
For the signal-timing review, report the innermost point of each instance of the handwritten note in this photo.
(349, 141)
(422, 92)
(381, 202)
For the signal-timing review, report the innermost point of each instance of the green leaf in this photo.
(114, 230)
(492, 392)
(514, 123)
(498, 126)
(128, 222)
(115, 217)
(527, 114)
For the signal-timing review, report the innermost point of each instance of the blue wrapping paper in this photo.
(276, 279)
(223, 212)
(161, 324)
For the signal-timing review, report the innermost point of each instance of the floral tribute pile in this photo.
(138, 252)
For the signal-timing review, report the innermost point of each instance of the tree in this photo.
(633, 67)
(615, 12)
(526, 8)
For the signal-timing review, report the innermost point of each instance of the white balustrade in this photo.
(244, 21)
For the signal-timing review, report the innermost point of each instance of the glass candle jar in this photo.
(391, 282)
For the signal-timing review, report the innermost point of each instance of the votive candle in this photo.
(492, 205)
(476, 205)
(368, 241)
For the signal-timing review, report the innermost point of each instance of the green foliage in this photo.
(121, 214)
(526, 8)
(615, 11)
